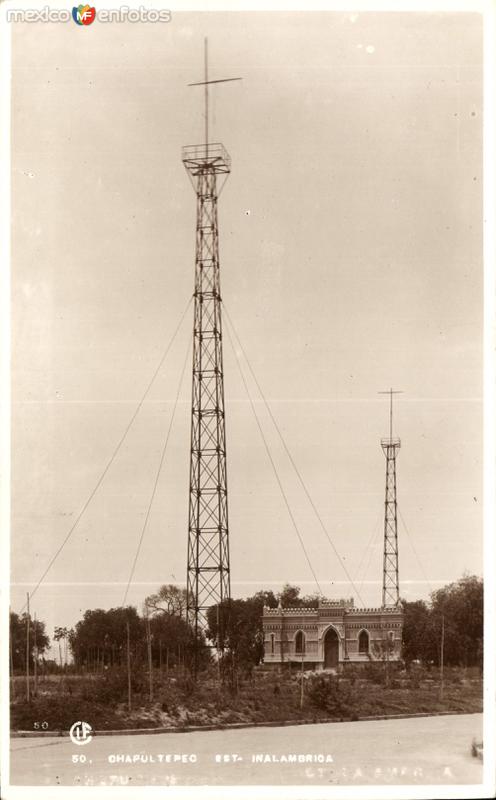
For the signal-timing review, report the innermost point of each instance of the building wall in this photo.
(281, 627)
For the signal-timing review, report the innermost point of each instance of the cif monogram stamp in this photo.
(80, 733)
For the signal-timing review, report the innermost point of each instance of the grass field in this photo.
(178, 701)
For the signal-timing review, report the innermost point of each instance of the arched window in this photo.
(272, 643)
(300, 642)
(391, 636)
(363, 642)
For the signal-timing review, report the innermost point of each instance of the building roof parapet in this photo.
(338, 604)
(278, 611)
(380, 610)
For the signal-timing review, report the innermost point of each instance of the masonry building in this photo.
(332, 634)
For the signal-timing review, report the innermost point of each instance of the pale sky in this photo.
(351, 261)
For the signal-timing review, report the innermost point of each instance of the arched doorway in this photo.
(331, 649)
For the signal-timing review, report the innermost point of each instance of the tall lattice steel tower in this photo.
(208, 568)
(390, 577)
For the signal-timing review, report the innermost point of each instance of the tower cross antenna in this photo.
(390, 392)
(206, 83)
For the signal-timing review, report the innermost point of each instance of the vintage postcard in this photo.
(248, 499)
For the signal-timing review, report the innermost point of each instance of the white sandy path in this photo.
(427, 750)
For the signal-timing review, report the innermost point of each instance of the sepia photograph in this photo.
(246, 507)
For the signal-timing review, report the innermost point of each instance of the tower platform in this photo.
(200, 158)
(390, 441)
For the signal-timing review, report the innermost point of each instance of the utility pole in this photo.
(390, 577)
(11, 647)
(387, 659)
(208, 567)
(301, 688)
(27, 650)
(35, 658)
(128, 667)
(149, 647)
(218, 647)
(441, 670)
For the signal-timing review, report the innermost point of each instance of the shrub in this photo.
(419, 673)
(61, 712)
(187, 686)
(112, 687)
(326, 694)
(352, 674)
(374, 672)
(453, 676)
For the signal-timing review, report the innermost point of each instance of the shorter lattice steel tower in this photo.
(208, 567)
(390, 575)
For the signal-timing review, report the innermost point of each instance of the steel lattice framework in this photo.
(390, 577)
(390, 574)
(208, 570)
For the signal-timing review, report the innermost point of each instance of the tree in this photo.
(243, 634)
(289, 597)
(171, 639)
(100, 638)
(169, 599)
(170, 630)
(382, 650)
(419, 640)
(59, 635)
(37, 638)
(265, 598)
(310, 601)
(462, 605)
